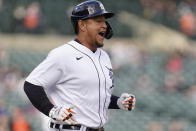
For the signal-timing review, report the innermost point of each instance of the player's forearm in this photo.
(38, 97)
(113, 103)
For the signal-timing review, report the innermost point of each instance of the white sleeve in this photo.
(47, 73)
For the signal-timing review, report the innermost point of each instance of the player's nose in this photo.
(104, 25)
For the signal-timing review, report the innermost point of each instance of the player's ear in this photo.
(82, 25)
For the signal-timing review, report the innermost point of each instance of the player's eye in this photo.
(100, 20)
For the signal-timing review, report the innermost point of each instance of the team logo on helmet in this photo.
(91, 10)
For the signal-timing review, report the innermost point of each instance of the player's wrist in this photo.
(52, 111)
(119, 103)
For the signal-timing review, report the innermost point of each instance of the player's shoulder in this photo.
(62, 50)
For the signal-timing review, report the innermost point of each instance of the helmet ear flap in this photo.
(109, 31)
(74, 22)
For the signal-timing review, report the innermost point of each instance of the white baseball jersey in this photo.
(80, 78)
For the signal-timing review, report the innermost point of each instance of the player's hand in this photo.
(64, 114)
(126, 101)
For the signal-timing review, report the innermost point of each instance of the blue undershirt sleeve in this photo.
(113, 103)
(38, 97)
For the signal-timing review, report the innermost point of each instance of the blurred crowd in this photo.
(175, 125)
(163, 71)
(153, 71)
(177, 14)
(39, 17)
(27, 18)
(16, 112)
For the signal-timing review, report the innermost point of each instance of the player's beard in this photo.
(99, 45)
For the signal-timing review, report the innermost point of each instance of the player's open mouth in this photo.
(102, 34)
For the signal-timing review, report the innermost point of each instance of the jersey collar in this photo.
(83, 48)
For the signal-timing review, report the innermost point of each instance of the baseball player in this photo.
(79, 76)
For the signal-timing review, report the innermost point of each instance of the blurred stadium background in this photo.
(153, 55)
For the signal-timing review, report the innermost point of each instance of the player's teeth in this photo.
(101, 33)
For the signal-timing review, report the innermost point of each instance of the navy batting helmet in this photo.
(88, 9)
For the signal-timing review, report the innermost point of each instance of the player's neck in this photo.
(82, 40)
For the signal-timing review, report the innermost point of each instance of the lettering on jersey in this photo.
(111, 74)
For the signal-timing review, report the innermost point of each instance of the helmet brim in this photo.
(108, 15)
(105, 13)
